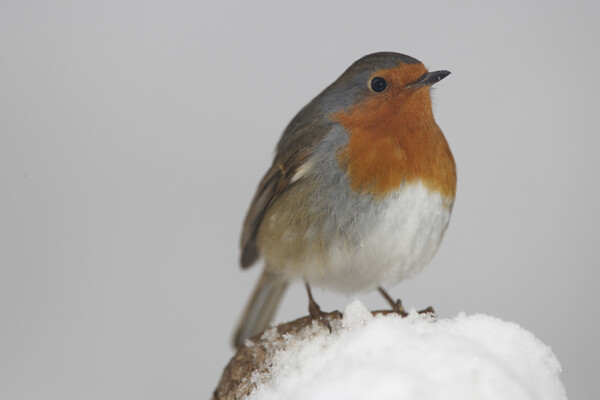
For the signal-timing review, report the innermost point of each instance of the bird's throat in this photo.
(395, 142)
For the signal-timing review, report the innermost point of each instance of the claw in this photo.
(314, 311)
(428, 310)
(397, 306)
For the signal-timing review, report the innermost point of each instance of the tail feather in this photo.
(261, 307)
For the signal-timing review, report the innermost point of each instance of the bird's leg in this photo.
(397, 306)
(315, 312)
(313, 308)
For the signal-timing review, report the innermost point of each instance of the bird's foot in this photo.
(396, 305)
(314, 311)
(428, 310)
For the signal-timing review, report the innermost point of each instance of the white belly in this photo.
(406, 234)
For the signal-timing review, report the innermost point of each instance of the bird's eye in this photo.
(378, 84)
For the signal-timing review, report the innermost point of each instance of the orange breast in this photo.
(394, 139)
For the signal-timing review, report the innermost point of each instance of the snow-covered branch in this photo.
(362, 356)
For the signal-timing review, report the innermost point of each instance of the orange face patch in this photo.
(393, 138)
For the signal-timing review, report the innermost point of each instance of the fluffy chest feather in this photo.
(327, 234)
(405, 234)
(325, 231)
(400, 236)
(395, 141)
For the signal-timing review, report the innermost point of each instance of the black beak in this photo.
(428, 79)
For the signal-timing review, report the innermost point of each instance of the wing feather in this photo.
(294, 148)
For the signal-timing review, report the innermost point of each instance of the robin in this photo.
(360, 191)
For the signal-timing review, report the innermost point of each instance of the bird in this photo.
(360, 191)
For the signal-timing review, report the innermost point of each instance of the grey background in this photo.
(133, 135)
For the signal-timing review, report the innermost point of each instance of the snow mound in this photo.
(417, 357)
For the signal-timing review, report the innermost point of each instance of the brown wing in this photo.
(294, 147)
(276, 181)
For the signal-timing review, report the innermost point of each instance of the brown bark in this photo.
(236, 380)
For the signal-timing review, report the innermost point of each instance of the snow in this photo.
(417, 357)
